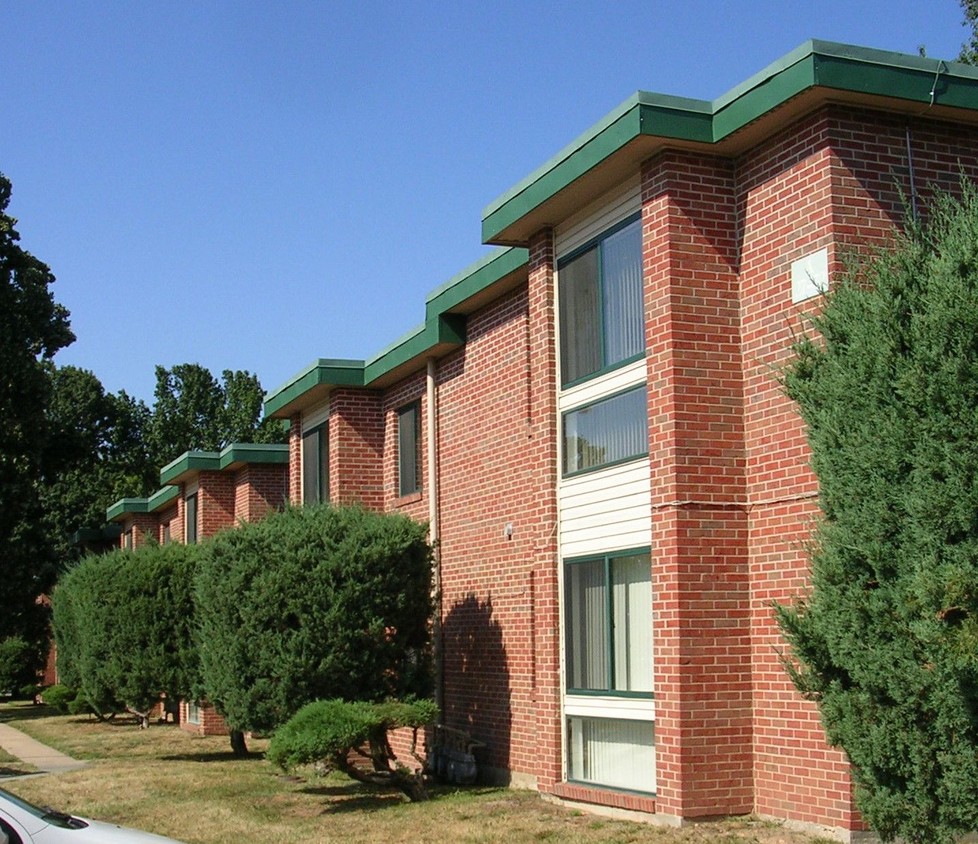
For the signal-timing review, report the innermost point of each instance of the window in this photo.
(408, 449)
(165, 539)
(193, 712)
(608, 618)
(602, 321)
(191, 519)
(604, 432)
(612, 752)
(315, 465)
(608, 650)
(128, 538)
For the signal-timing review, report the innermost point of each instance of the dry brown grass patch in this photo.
(191, 788)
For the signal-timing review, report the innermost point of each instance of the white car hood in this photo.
(97, 832)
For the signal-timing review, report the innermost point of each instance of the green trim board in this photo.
(839, 70)
(230, 457)
(132, 506)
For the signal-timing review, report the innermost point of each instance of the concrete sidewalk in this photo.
(42, 757)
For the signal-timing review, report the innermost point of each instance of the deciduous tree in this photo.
(33, 327)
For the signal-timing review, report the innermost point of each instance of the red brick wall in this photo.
(497, 465)
(833, 180)
(258, 489)
(211, 723)
(215, 502)
(404, 393)
(699, 528)
(356, 443)
(167, 517)
(140, 526)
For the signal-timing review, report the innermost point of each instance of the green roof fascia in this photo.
(190, 461)
(237, 454)
(230, 456)
(441, 330)
(841, 67)
(474, 279)
(643, 113)
(133, 506)
(323, 372)
(106, 533)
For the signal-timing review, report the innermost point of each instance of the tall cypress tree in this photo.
(887, 640)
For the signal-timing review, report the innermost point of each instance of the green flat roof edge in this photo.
(346, 373)
(439, 328)
(162, 497)
(187, 462)
(499, 263)
(154, 502)
(442, 329)
(254, 453)
(814, 63)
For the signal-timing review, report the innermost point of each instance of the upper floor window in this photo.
(315, 465)
(409, 449)
(191, 531)
(602, 324)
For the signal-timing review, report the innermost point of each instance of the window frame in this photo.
(321, 433)
(606, 558)
(413, 408)
(595, 243)
(618, 461)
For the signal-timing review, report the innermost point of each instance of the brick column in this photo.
(540, 457)
(356, 448)
(701, 597)
(295, 459)
(259, 488)
(215, 503)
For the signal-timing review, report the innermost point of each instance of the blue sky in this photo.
(255, 185)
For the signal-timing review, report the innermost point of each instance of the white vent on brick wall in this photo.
(810, 276)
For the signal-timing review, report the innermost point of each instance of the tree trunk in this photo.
(238, 746)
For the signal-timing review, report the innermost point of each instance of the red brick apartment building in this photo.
(204, 492)
(590, 420)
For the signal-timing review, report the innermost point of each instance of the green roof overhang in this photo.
(443, 330)
(133, 506)
(815, 74)
(106, 533)
(231, 457)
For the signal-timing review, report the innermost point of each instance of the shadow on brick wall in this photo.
(477, 682)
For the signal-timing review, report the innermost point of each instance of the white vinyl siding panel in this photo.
(614, 382)
(605, 212)
(606, 510)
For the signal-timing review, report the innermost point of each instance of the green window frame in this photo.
(608, 624)
(605, 432)
(315, 465)
(409, 449)
(191, 519)
(601, 304)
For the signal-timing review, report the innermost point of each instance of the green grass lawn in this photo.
(191, 788)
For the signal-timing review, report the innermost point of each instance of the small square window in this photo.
(409, 449)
